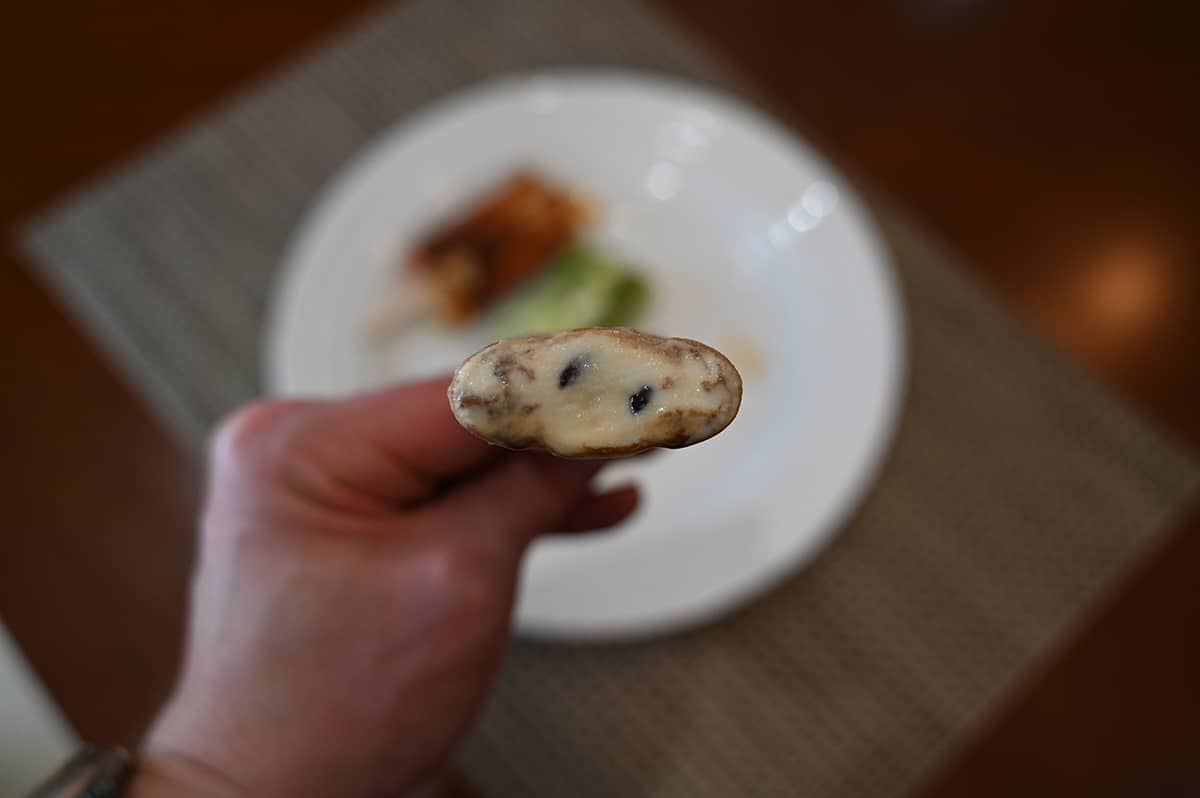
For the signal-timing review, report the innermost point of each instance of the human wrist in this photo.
(177, 757)
(160, 774)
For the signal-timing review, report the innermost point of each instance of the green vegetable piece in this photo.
(581, 288)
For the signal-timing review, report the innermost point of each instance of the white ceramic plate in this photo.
(754, 244)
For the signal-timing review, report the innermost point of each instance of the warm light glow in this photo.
(1128, 287)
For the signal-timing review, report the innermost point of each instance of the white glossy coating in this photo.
(596, 392)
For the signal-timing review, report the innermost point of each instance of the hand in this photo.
(356, 577)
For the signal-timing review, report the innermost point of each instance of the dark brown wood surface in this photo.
(1055, 144)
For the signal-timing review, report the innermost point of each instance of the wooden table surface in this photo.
(1056, 145)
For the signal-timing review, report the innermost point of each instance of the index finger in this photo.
(397, 444)
(413, 423)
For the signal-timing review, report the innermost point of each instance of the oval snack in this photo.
(595, 392)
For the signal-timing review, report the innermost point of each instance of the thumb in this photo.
(524, 496)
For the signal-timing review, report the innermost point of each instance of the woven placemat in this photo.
(1016, 493)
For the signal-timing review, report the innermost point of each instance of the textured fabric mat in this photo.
(1016, 493)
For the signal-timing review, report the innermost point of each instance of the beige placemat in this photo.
(1016, 493)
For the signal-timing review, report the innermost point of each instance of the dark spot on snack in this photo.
(570, 372)
(518, 443)
(639, 399)
(667, 382)
(472, 400)
(527, 409)
(679, 441)
(500, 369)
(507, 364)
